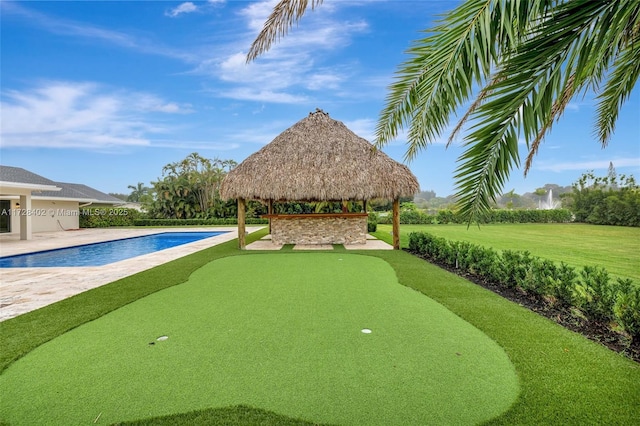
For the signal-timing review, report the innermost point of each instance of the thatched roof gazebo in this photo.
(319, 159)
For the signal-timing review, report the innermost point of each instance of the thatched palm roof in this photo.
(319, 159)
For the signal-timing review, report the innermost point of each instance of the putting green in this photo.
(281, 332)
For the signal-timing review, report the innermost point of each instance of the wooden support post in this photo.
(364, 206)
(396, 224)
(241, 224)
(270, 212)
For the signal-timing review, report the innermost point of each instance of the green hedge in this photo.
(589, 290)
(104, 217)
(198, 222)
(372, 222)
(410, 217)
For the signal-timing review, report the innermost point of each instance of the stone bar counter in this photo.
(321, 228)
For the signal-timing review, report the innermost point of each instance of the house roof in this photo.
(81, 192)
(17, 177)
(319, 159)
(21, 179)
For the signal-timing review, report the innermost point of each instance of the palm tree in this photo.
(529, 58)
(510, 195)
(137, 192)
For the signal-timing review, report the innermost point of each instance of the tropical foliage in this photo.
(529, 58)
(609, 200)
(190, 189)
(139, 193)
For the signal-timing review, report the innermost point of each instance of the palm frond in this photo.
(623, 78)
(474, 106)
(556, 112)
(562, 55)
(284, 15)
(457, 54)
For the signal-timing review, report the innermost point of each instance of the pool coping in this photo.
(26, 289)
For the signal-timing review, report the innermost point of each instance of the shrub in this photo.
(590, 291)
(563, 284)
(596, 296)
(445, 216)
(515, 265)
(372, 222)
(414, 217)
(104, 217)
(627, 307)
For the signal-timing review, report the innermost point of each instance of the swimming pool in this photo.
(98, 254)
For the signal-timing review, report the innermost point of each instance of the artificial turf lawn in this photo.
(286, 338)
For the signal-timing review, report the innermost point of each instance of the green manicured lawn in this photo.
(563, 377)
(615, 248)
(290, 342)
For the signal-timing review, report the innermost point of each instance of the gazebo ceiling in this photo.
(319, 159)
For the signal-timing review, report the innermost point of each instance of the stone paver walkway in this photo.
(372, 243)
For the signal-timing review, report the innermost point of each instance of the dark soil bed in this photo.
(562, 315)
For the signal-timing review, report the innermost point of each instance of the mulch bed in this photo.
(562, 315)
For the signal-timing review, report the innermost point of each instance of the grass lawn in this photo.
(615, 248)
(563, 378)
(290, 342)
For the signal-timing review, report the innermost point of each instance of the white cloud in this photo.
(72, 28)
(287, 73)
(262, 133)
(186, 7)
(292, 67)
(270, 96)
(573, 106)
(71, 114)
(363, 127)
(324, 81)
(190, 7)
(151, 103)
(257, 13)
(194, 145)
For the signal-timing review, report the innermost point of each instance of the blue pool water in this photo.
(99, 254)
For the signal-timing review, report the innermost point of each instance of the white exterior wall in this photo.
(47, 216)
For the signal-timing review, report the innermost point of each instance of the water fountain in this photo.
(549, 203)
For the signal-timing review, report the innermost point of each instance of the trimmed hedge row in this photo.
(198, 222)
(410, 217)
(589, 290)
(104, 217)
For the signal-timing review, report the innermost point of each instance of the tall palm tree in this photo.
(528, 58)
(137, 192)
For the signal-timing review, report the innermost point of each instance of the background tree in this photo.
(540, 193)
(138, 193)
(510, 196)
(191, 189)
(530, 58)
(606, 201)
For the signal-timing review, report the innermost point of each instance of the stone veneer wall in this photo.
(319, 230)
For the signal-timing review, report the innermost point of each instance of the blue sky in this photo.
(107, 93)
